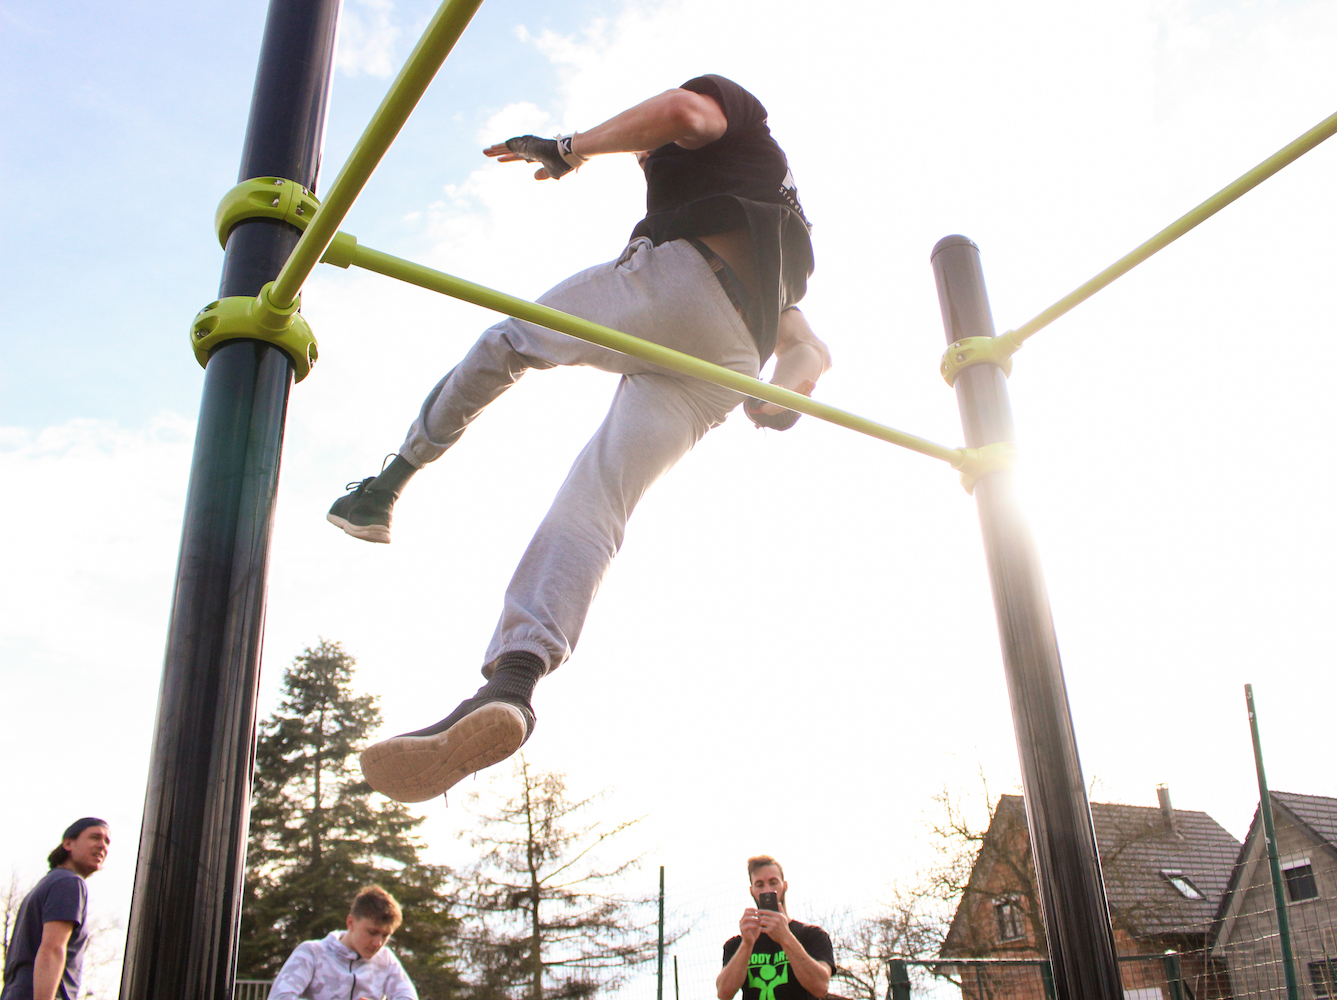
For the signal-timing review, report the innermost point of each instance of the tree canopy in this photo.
(550, 926)
(316, 835)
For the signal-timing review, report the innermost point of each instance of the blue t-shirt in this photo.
(61, 895)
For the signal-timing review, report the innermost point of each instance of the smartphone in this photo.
(768, 901)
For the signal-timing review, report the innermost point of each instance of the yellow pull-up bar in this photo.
(279, 299)
(444, 30)
(1283, 157)
(345, 250)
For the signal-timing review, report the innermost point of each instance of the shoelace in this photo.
(359, 485)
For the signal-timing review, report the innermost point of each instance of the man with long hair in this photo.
(46, 954)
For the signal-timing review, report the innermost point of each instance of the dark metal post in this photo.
(898, 980)
(182, 936)
(659, 991)
(1273, 860)
(1047, 980)
(1063, 843)
(1174, 975)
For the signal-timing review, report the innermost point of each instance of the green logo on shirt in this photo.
(766, 972)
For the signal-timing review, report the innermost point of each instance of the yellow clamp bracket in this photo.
(341, 251)
(264, 198)
(979, 351)
(239, 317)
(976, 463)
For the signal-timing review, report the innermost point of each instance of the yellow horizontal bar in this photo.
(443, 31)
(1282, 158)
(552, 319)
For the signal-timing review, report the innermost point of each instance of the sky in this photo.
(795, 650)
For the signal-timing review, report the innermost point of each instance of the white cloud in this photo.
(367, 37)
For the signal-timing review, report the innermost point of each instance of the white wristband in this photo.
(573, 159)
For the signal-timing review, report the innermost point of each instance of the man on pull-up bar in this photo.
(714, 270)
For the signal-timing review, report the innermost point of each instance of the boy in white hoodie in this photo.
(353, 965)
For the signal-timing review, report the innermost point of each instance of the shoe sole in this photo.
(366, 532)
(418, 768)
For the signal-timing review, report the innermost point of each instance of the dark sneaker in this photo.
(419, 766)
(365, 512)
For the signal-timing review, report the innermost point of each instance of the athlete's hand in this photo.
(750, 927)
(773, 416)
(532, 149)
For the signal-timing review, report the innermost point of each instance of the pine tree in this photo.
(549, 929)
(316, 837)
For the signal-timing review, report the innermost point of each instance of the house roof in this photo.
(1317, 814)
(1135, 847)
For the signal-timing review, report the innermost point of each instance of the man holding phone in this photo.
(773, 957)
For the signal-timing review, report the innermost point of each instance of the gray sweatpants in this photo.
(665, 294)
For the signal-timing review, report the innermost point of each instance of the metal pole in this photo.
(659, 991)
(898, 980)
(1174, 976)
(1273, 861)
(1063, 843)
(1047, 979)
(182, 937)
(677, 993)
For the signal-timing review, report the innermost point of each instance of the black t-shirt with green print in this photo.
(769, 976)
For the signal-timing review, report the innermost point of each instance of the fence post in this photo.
(181, 941)
(1270, 833)
(1063, 842)
(898, 980)
(1174, 976)
(1047, 979)
(659, 989)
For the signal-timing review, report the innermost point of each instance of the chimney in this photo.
(1167, 810)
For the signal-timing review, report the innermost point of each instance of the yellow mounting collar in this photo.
(264, 198)
(976, 463)
(979, 351)
(239, 317)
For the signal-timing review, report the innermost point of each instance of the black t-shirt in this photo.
(739, 181)
(61, 895)
(769, 976)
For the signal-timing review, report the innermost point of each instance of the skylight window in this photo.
(1182, 884)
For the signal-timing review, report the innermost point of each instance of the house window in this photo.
(1299, 876)
(1323, 978)
(1007, 918)
(1182, 883)
(1147, 993)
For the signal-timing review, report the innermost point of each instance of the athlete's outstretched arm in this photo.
(690, 119)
